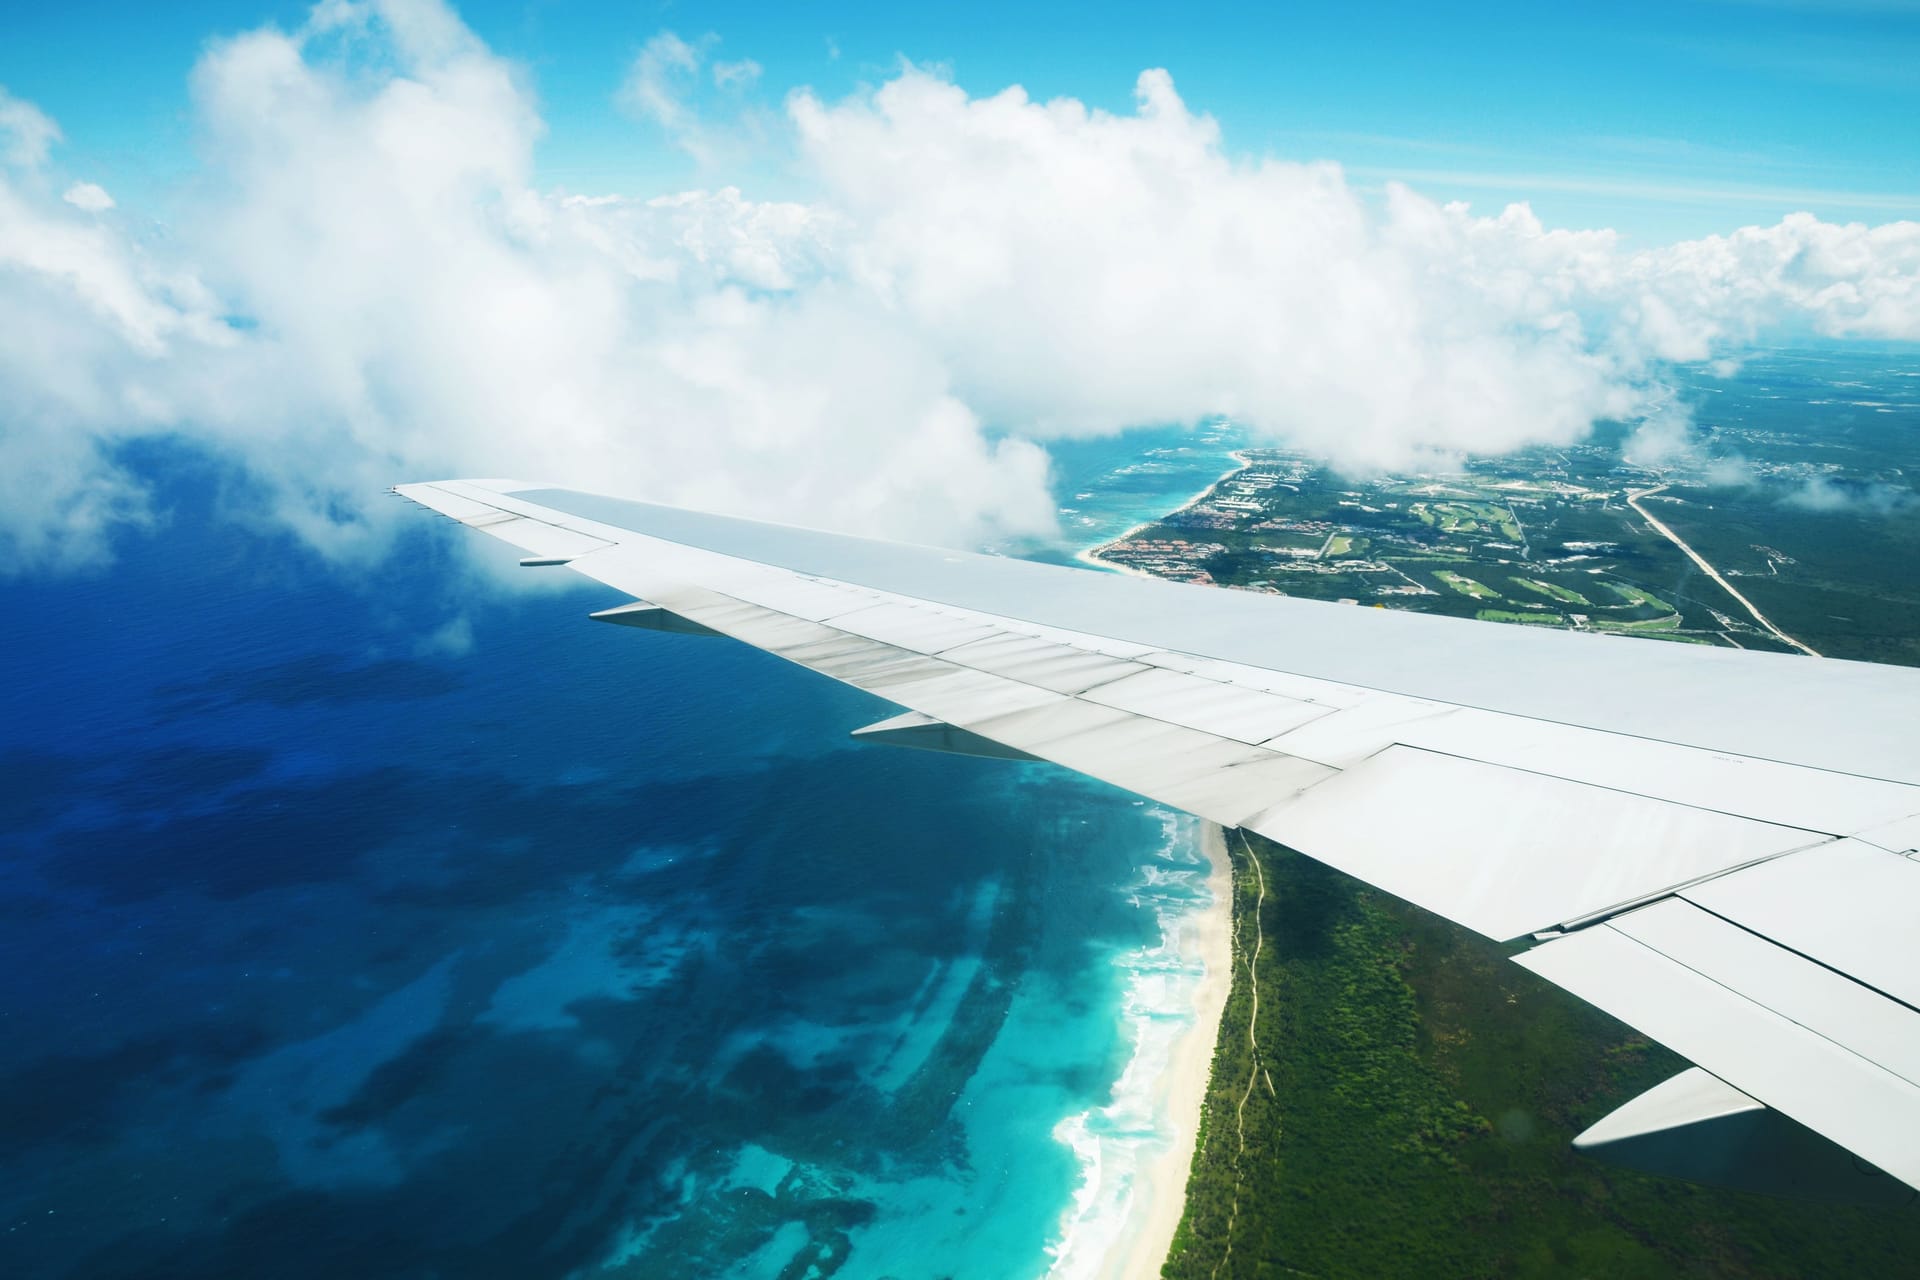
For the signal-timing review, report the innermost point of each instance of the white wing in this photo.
(1715, 846)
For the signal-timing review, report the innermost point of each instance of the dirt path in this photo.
(1253, 1047)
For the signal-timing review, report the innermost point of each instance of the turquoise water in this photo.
(1108, 486)
(388, 924)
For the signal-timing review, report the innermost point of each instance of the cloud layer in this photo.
(370, 288)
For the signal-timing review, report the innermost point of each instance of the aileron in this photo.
(1729, 1029)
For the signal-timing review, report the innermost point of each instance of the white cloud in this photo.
(412, 307)
(665, 87)
(736, 75)
(1825, 494)
(1083, 271)
(26, 133)
(1849, 281)
(372, 290)
(657, 83)
(88, 197)
(452, 639)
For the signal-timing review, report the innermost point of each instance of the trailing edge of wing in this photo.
(1535, 809)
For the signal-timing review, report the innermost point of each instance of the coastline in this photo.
(1090, 556)
(1155, 1191)
(1182, 1088)
(1137, 1151)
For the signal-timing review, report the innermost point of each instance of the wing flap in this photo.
(1506, 852)
(1732, 1003)
(1510, 780)
(1500, 822)
(1837, 803)
(1853, 906)
(1899, 836)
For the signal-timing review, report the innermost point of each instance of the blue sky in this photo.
(1664, 120)
(751, 259)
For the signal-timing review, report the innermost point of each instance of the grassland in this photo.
(1542, 619)
(1466, 586)
(1565, 595)
(1635, 596)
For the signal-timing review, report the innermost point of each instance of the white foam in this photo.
(1114, 1143)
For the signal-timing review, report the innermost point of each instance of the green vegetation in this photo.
(1848, 585)
(1823, 534)
(1290, 541)
(1466, 586)
(1554, 592)
(1424, 1091)
(1416, 1093)
(1667, 623)
(1635, 596)
(1505, 615)
(1468, 518)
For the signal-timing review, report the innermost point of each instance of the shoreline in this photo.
(1090, 556)
(1137, 1150)
(1181, 1091)
(1156, 1199)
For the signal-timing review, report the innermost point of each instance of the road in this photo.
(1633, 500)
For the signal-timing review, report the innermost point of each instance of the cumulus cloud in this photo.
(1847, 281)
(1082, 271)
(372, 289)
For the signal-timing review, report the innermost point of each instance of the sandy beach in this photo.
(1091, 555)
(1161, 1191)
(1139, 1149)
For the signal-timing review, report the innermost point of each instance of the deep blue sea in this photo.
(384, 921)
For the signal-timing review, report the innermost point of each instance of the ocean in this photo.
(382, 921)
(1107, 486)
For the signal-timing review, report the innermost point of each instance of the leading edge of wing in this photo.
(1508, 823)
(1848, 717)
(1504, 822)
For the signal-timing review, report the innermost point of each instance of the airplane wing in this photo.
(1720, 848)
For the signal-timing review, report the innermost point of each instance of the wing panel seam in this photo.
(1795, 951)
(1784, 1017)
